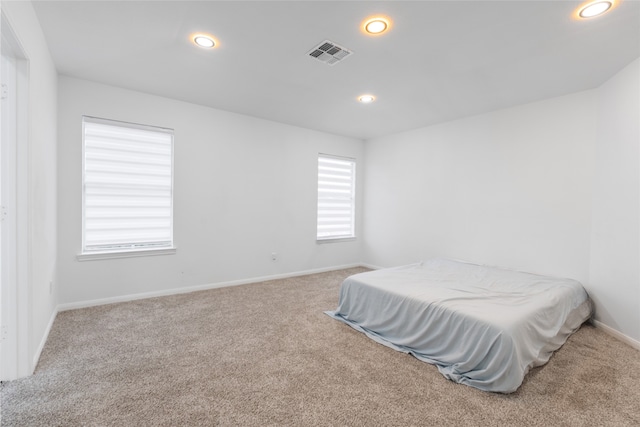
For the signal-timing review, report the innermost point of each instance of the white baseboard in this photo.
(43, 341)
(616, 334)
(371, 266)
(174, 291)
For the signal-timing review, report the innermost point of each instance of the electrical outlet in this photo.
(274, 256)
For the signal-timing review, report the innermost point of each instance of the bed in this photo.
(482, 326)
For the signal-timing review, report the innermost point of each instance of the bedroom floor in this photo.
(266, 354)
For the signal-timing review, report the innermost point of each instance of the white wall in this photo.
(551, 187)
(509, 188)
(244, 188)
(615, 249)
(41, 172)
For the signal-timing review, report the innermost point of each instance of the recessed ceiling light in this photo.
(366, 99)
(376, 25)
(204, 41)
(594, 9)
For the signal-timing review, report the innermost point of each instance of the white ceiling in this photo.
(440, 61)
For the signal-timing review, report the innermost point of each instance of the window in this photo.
(127, 188)
(336, 197)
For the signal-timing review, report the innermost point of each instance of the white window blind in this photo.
(127, 187)
(336, 197)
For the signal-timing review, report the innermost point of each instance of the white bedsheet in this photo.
(482, 326)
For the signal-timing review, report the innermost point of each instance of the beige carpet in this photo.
(265, 354)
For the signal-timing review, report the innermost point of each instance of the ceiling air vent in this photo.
(329, 53)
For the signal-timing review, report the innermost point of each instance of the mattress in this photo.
(481, 326)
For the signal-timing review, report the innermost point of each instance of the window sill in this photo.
(335, 240)
(91, 256)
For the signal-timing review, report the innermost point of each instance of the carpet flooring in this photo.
(266, 354)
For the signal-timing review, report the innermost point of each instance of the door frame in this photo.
(14, 278)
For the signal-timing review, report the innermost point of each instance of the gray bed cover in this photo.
(481, 326)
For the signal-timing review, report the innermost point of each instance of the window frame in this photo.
(120, 252)
(353, 235)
